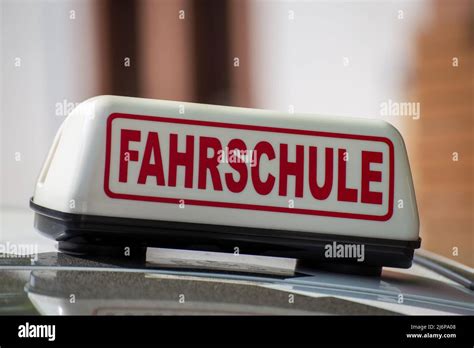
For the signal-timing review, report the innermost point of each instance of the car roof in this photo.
(418, 290)
(422, 289)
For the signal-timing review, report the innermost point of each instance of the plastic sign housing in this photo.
(128, 171)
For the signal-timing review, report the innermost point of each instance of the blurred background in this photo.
(342, 58)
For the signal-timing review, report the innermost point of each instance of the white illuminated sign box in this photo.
(137, 172)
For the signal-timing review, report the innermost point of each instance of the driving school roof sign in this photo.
(143, 172)
(143, 155)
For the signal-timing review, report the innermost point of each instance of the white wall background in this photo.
(58, 62)
(300, 62)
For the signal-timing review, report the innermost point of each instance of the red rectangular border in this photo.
(111, 194)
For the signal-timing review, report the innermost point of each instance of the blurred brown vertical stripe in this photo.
(444, 188)
(191, 58)
(166, 68)
(121, 17)
(211, 39)
(240, 77)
